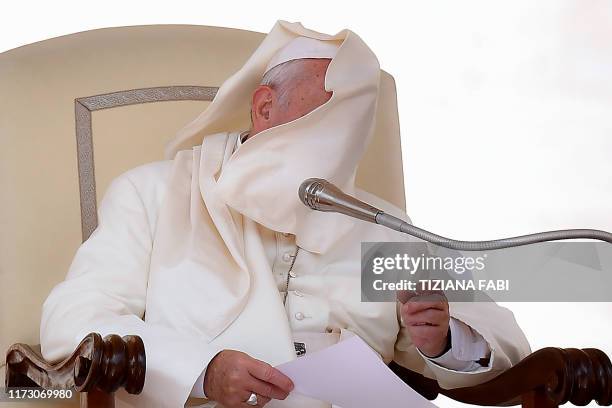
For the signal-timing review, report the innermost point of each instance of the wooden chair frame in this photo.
(98, 367)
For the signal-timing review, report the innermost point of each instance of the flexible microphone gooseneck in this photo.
(321, 195)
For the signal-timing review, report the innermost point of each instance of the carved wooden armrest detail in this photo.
(546, 378)
(97, 364)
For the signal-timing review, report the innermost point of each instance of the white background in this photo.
(505, 110)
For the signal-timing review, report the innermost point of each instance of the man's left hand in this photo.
(426, 316)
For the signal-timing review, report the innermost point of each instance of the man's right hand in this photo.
(232, 376)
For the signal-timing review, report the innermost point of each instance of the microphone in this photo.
(321, 195)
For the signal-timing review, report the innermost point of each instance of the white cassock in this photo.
(108, 289)
(212, 250)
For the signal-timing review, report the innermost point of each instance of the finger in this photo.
(430, 292)
(415, 307)
(405, 295)
(429, 296)
(238, 398)
(421, 335)
(269, 374)
(266, 389)
(430, 316)
(261, 401)
(422, 295)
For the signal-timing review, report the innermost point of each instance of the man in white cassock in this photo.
(211, 258)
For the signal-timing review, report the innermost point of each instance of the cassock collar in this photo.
(239, 139)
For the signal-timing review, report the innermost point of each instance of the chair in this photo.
(97, 91)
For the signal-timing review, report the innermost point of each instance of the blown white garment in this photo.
(113, 278)
(208, 232)
(216, 238)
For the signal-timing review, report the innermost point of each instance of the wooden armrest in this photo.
(98, 367)
(546, 378)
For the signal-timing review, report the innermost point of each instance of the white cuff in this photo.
(467, 348)
(198, 388)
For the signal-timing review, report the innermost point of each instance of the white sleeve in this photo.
(495, 324)
(105, 292)
(467, 348)
(198, 388)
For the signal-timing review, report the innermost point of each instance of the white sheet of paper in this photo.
(351, 375)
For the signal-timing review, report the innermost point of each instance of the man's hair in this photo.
(280, 77)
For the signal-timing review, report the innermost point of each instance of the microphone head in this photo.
(309, 191)
(321, 195)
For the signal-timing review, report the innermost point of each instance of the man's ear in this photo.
(261, 107)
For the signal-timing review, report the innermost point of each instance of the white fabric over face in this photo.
(261, 180)
(219, 196)
(304, 47)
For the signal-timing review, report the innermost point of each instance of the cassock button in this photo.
(299, 316)
(292, 274)
(287, 256)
